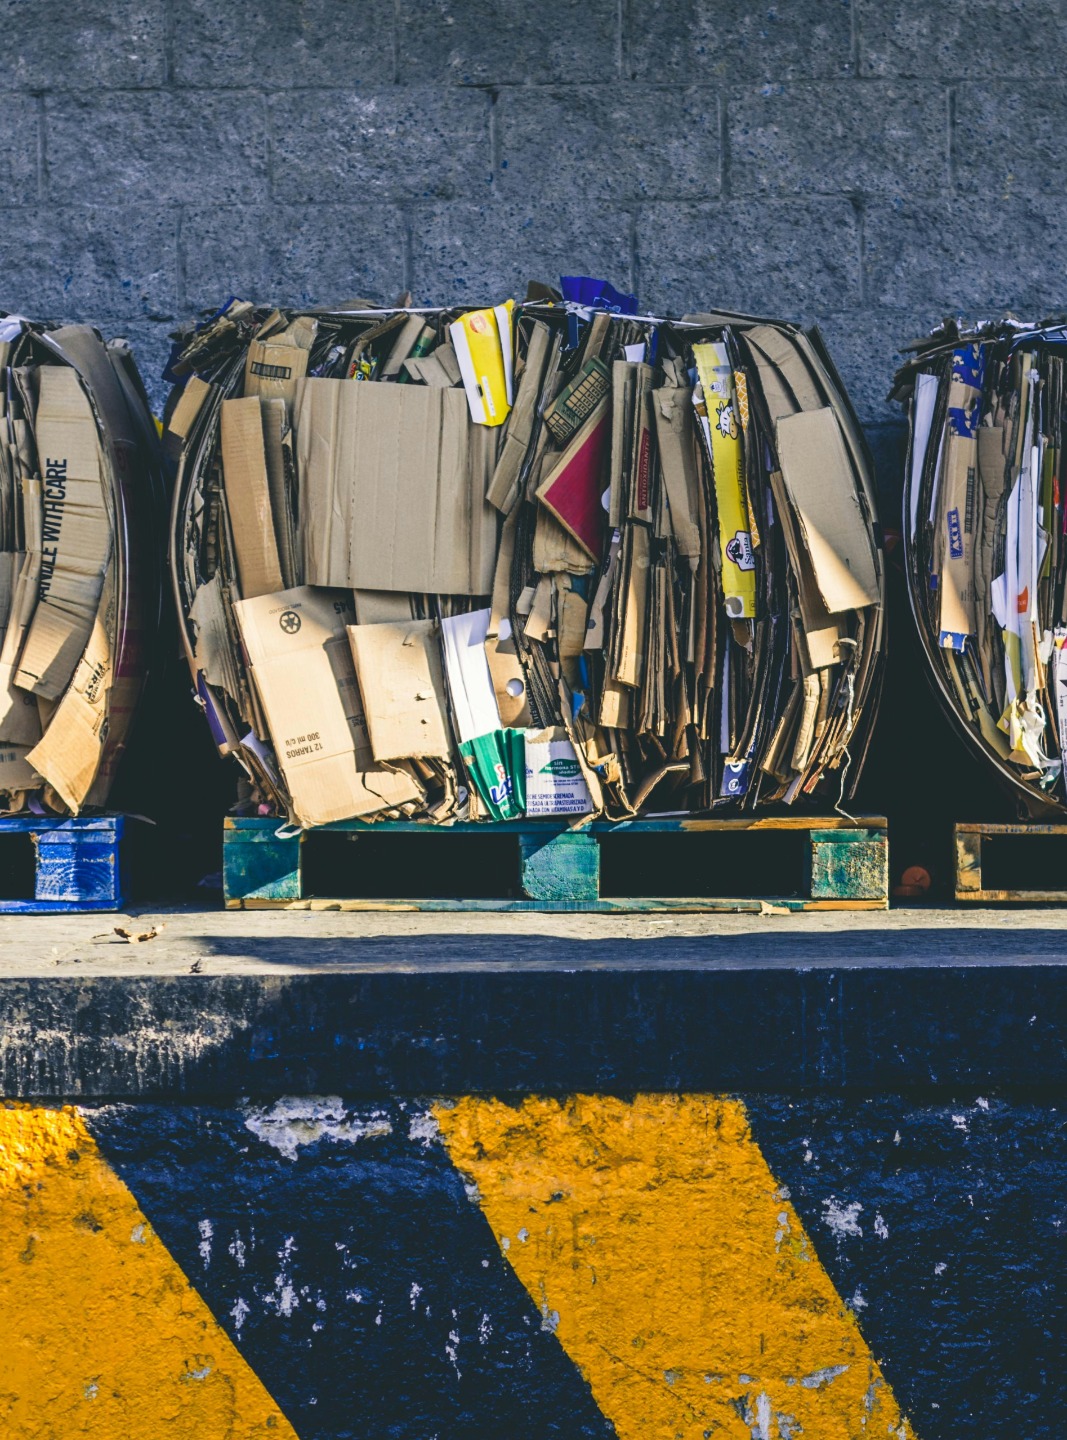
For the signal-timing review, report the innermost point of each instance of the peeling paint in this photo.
(818, 1378)
(296, 1121)
(842, 1220)
(424, 1129)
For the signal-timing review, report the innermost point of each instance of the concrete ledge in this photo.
(220, 1006)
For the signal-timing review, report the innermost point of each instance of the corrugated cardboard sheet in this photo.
(76, 534)
(302, 667)
(390, 498)
(402, 681)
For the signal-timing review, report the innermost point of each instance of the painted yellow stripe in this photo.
(653, 1237)
(103, 1336)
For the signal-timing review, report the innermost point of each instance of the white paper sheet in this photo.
(474, 706)
(925, 400)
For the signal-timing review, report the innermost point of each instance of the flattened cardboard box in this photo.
(244, 472)
(76, 534)
(302, 667)
(554, 781)
(389, 497)
(402, 683)
(818, 478)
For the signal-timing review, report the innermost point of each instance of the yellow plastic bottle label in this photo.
(722, 424)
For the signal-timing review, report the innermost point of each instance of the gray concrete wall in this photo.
(870, 165)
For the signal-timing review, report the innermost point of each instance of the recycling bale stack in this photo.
(80, 588)
(549, 562)
(986, 553)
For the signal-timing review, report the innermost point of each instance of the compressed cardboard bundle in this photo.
(984, 525)
(537, 559)
(80, 562)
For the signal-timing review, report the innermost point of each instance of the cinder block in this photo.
(276, 43)
(398, 143)
(121, 146)
(19, 127)
(306, 255)
(69, 262)
(822, 139)
(501, 42)
(615, 144)
(1009, 140)
(968, 256)
(961, 39)
(52, 45)
(783, 257)
(482, 253)
(671, 40)
(865, 347)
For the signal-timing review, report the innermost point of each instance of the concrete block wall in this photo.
(868, 164)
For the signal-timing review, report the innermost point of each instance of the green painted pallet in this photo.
(845, 865)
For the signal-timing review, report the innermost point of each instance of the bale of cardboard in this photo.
(985, 541)
(549, 558)
(80, 562)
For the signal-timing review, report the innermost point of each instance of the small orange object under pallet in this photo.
(658, 864)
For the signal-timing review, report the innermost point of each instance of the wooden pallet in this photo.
(845, 866)
(970, 841)
(71, 866)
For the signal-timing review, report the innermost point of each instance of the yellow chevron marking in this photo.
(103, 1334)
(655, 1240)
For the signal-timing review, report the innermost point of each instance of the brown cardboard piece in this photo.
(375, 607)
(959, 493)
(630, 668)
(244, 471)
(210, 617)
(275, 367)
(390, 498)
(623, 380)
(69, 752)
(410, 332)
(302, 665)
(439, 370)
(677, 456)
(20, 722)
(16, 773)
(818, 478)
(90, 724)
(573, 618)
(190, 403)
(402, 683)
(75, 534)
(505, 668)
(555, 550)
(819, 632)
(504, 488)
(992, 476)
(281, 484)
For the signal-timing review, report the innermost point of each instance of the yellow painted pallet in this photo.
(992, 862)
